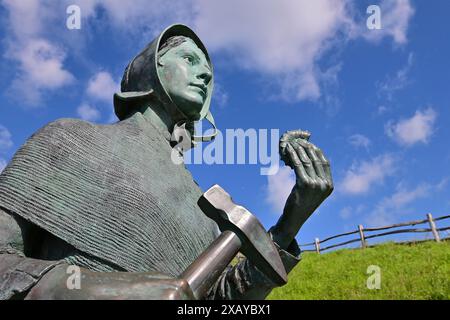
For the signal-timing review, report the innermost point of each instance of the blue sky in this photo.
(376, 101)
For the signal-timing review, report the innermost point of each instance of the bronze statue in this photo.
(108, 198)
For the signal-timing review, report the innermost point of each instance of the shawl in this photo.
(111, 191)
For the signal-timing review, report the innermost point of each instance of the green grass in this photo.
(417, 271)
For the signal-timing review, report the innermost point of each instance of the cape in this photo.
(110, 191)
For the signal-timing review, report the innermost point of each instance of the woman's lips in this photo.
(202, 87)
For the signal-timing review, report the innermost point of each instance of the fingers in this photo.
(317, 163)
(297, 165)
(288, 137)
(305, 159)
(295, 134)
(326, 166)
(321, 165)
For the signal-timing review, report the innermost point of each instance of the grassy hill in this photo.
(417, 271)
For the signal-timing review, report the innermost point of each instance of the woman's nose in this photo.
(205, 75)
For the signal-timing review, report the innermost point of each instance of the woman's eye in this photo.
(189, 59)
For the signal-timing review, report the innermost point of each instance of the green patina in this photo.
(109, 199)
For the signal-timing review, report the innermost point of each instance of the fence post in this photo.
(433, 227)
(317, 244)
(361, 235)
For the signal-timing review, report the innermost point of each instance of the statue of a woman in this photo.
(108, 198)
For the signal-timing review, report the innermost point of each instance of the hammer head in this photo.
(257, 245)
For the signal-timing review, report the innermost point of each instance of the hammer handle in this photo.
(206, 269)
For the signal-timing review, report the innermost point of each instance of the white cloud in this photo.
(40, 62)
(382, 109)
(346, 212)
(290, 47)
(404, 197)
(112, 117)
(43, 64)
(397, 82)
(5, 139)
(102, 87)
(361, 177)
(359, 140)
(442, 184)
(146, 15)
(279, 186)
(220, 96)
(350, 212)
(395, 18)
(25, 17)
(88, 113)
(418, 128)
(251, 31)
(5, 143)
(283, 41)
(258, 38)
(389, 209)
(2, 164)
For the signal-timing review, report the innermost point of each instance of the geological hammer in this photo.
(241, 231)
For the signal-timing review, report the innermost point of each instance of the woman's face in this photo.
(185, 75)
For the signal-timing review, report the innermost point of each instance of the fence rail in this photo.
(364, 236)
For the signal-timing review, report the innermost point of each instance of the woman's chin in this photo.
(192, 108)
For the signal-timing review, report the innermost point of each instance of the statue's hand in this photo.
(313, 185)
(312, 169)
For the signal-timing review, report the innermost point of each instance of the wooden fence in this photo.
(367, 233)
